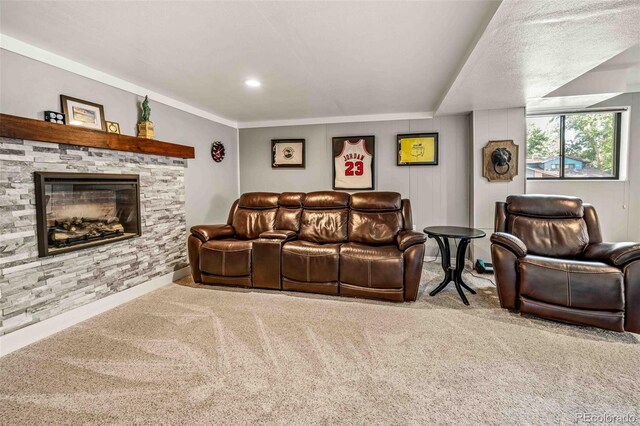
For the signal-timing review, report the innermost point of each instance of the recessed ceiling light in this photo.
(252, 83)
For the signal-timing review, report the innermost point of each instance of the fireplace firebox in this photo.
(79, 210)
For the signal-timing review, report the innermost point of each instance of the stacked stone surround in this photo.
(33, 289)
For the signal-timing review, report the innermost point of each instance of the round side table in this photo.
(442, 234)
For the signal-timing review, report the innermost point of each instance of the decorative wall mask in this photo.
(500, 161)
(500, 157)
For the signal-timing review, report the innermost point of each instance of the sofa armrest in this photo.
(407, 239)
(212, 232)
(278, 234)
(510, 242)
(616, 254)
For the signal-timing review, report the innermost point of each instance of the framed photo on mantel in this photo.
(418, 149)
(83, 113)
(353, 161)
(287, 153)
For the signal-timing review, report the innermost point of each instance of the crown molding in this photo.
(336, 119)
(21, 48)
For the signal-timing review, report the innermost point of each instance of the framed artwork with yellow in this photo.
(418, 149)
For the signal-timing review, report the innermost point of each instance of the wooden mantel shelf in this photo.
(42, 131)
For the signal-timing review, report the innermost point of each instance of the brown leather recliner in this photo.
(550, 261)
(327, 242)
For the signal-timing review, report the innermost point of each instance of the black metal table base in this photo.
(450, 273)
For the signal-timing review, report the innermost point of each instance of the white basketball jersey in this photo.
(353, 166)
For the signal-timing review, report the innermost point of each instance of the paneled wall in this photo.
(487, 125)
(439, 194)
(29, 87)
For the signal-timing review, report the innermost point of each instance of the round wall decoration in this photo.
(217, 151)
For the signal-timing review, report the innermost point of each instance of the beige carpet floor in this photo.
(188, 355)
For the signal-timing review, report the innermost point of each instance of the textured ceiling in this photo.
(619, 74)
(531, 48)
(314, 59)
(328, 59)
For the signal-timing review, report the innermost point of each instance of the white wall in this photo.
(29, 87)
(617, 202)
(439, 194)
(487, 125)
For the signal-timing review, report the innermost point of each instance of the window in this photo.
(574, 146)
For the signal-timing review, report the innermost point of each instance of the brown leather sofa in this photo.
(327, 242)
(550, 261)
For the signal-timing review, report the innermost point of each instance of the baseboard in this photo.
(38, 331)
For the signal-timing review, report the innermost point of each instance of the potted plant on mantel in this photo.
(145, 127)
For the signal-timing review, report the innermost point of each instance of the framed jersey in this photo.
(353, 162)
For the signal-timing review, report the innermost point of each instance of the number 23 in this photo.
(359, 166)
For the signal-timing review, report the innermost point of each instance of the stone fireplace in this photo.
(80, 210)
(34, 288)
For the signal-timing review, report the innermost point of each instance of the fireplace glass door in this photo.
(76, 211)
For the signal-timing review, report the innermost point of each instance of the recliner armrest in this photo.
(407, 239)
(212, 232)
(510, 242)
(278, 234)
(616, 254)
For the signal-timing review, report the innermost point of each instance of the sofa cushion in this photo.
(250, 223)
(258, 200)
(548, 206)
(375, 217)
(227, 258)
(290, 211)
(371, 266)
(324, 226)
(288, 218)
(310, 262)
(550, 237)
(374, 227)
(570, 283)
(326, 200)
(291, 199)
(376, 201)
